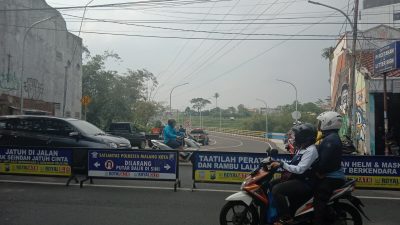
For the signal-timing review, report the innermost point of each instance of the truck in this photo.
(129, 131)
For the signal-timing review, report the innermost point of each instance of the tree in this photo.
(199, 103)
(327, 53)
(116, 97)
(243, 111)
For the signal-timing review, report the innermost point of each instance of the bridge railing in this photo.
(276, 138)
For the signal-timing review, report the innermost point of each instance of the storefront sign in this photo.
(152, 165)
(50, 162)
(387, 58)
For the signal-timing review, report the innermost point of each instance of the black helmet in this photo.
(304, 134)
(171, 122)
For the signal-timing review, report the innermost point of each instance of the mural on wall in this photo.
(33, 88)
(8, 80)
(361, 115)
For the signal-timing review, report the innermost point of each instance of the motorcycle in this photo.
(186, 154)
(251, 205)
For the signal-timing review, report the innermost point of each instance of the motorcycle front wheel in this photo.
(238, 213)
(347, 215)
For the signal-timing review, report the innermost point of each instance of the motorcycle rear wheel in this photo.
(238, 213)
(347, 215)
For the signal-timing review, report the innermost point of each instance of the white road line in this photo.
(160, 188)
(235, 146)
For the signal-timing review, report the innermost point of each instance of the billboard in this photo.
(376, 3)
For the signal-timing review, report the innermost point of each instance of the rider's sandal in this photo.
(284, 222)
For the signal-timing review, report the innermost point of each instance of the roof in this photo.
(34, 116)
(367, 61)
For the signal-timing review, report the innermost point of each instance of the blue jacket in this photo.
(170, 133)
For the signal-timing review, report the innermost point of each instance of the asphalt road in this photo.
(26, 200)
(231, 143)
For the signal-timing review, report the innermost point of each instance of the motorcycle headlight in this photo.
(112, 145)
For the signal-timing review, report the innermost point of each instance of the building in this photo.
(369, 88)
(51, 61)
(375, 12)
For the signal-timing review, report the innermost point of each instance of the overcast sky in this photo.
(239, 70)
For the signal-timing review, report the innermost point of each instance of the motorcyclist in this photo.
(330, 175)
(298, 188)
(172, 138)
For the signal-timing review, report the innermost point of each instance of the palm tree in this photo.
(327, 53)
(216, 96)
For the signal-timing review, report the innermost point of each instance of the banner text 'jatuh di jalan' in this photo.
(49, 162)
(223, 167)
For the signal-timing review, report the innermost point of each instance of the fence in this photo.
(375, 172)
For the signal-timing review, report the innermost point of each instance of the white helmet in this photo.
(329, 121)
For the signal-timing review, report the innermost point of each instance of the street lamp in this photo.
(352, 99)
(266, 116)
(170, 95)
(295, 91)
(23, 59)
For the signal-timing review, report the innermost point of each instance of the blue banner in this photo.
(55, 162)
(233, 167)
(160, 165)
(387, 58)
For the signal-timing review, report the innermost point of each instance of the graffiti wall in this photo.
(361, 115)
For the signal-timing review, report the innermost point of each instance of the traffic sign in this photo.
(296, 115)
(86, 100)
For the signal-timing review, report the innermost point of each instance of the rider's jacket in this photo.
(169, 133)
(330, 154)
(302, 161)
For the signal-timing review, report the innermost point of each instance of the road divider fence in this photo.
(374, 172)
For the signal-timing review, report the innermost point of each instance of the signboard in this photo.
(152, 165)
(232, 167)
(396, 16)
(387, 58)
(226, 167)
(377, 3)
(86, 100)
(373, 171)
(49, 162)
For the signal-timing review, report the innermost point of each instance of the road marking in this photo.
(245, 138)
(161, 188)
(235, 146)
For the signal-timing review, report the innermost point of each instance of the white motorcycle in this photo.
(185, 155)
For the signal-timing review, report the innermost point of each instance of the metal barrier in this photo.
(374, 172)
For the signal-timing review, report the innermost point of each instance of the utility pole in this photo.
(266, 116)
(385, 110)
(352, 95)
(353, 99)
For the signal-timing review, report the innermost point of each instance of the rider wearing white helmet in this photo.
(328, 169)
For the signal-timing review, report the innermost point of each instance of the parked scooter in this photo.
(185, 155)
(251, 206)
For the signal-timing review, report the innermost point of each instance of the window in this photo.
(58, 127)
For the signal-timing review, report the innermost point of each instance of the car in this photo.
(130, 132)
(47, 131)
(200, 136)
